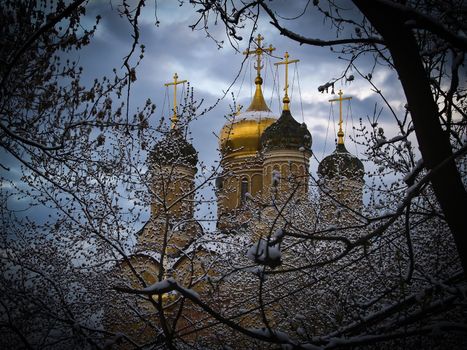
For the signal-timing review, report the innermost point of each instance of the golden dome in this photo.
(242, 136)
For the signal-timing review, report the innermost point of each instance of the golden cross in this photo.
(258, 52)
(174, 118)
(286, 62)
(340, 133)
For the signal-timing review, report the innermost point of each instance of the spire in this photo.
(258, 103)
(286, 62)
(340, 133)
(174, 118)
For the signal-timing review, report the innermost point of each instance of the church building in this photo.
(263, 192)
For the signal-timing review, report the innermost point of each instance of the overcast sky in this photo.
(173, 47)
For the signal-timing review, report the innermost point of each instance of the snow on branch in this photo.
(162, 287)
(265, 254)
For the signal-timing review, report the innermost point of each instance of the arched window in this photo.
(243, 189)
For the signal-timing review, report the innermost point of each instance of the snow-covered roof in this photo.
(254, 115)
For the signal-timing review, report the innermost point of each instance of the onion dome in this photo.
(241, 137)
(341, 163)
(286, 133)
(174, 149)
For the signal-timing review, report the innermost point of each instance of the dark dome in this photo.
(286, 133)
(174, 149)
(341, 163)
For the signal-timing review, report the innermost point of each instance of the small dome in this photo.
(174, 149)
(286, 133)
(341, 163)
(242, 136)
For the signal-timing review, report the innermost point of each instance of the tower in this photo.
(341, 179)
(286, 150)
(240, 151)
(172, 165)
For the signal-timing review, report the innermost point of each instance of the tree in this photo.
(419, 38)
(56, 132)
(371, 277)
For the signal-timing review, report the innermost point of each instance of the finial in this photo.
(286, 62)
(340, 133)
(174, 118)
(258, 103)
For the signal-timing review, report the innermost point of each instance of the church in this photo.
(264, 214)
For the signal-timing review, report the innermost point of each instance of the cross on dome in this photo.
(258, 103)
(176, 82)
(286, 62)
(259, 52)
(340, 133)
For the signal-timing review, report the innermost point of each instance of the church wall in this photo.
(337, 196)
(173, 184)
(169, 219)
(242, 175)
(291, 164)
(127, 313)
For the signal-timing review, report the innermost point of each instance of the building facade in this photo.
(262, 196)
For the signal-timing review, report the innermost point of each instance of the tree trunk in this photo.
(433, 141)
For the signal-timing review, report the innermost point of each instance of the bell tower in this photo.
(341, 179)
(172, 165)
(242, 174)
(286, 147)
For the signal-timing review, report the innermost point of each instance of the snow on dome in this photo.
(242, 135)
(341, 163)
(286, 133)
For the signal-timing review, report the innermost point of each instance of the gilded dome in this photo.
(286, 133)
(242, 136)
(341, 163)
(174, 149)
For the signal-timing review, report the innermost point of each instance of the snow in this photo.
(279, 234)
(169, 285)
(276, 177)
(249, 196)
(264, 332)
(300, 317)
(191, 292)
(301, 331)
(258, 271)
(380, 141)
(412, 189)
(161, 287)
(264, 253)
(253, 115)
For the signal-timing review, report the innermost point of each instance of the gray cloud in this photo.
(174, 47)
